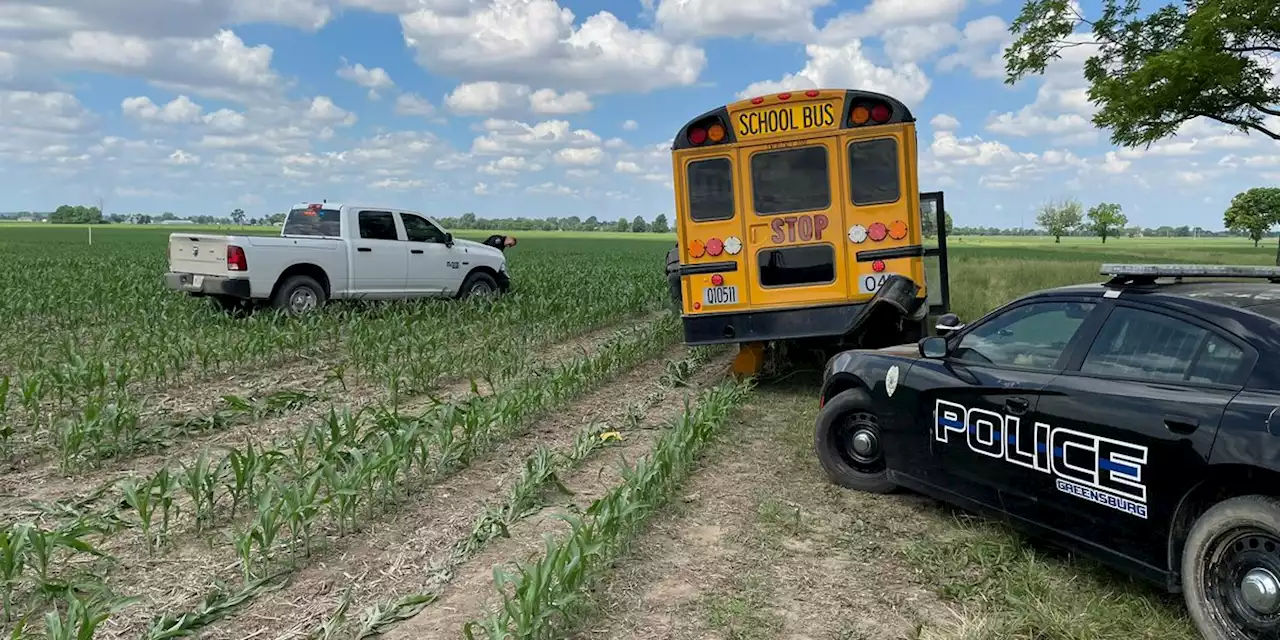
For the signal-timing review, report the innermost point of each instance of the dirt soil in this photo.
(471, 592)
(760, 545)
(412, 551)
(45, 482)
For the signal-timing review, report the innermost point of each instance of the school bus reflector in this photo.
(898, 230)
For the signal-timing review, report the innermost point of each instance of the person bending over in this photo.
(500, 242)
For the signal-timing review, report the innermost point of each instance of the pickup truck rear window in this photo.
(314, 222)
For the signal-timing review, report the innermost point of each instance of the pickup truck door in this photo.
(379, 256)
(430, 259)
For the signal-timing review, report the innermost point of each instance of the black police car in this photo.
(1137, 420)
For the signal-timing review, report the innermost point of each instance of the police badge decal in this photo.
(891, 380)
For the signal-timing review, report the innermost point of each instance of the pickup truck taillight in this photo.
(235, 259)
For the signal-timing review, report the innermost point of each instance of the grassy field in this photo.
(169, 471)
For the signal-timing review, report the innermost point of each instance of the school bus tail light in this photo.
(715, 247)
(732, 245)
(708, 131)
(697, 249)
(877, 266)
(877, 232)
(717, 280)
(869, 113)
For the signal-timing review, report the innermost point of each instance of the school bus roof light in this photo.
(881, 113)
(860, 115)
(697, 135)
(784, 96)
(812, 93)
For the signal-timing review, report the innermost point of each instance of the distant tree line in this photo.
(570, 223)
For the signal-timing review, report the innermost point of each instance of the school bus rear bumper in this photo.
(762, 326)
(898, 296)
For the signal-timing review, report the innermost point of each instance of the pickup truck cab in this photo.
(335, 251)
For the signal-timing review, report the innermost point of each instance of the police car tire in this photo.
(829, 418)
(1252, 512)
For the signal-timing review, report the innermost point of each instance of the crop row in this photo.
(541, 598)
(103, 354)
(332, 476)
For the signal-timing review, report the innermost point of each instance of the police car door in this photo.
(1131, 425)
(984, 434)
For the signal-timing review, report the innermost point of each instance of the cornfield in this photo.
(172, 470)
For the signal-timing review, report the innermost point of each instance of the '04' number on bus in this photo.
(871, 282)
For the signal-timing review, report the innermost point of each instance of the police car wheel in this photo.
(1231, 569)
(848, 443)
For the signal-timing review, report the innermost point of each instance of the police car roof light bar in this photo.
(1147, 273)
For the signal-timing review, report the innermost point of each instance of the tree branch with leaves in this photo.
(1150, 74)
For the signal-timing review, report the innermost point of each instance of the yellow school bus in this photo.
(794, 213)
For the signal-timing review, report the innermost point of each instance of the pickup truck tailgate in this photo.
(196, 253)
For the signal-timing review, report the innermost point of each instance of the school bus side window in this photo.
(710, 186)
(790, 180)
(873, 171)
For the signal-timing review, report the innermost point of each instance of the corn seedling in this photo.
(539, 598)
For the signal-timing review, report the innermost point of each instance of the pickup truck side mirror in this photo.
(448, 239)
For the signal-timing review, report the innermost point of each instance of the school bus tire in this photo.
(848, 443)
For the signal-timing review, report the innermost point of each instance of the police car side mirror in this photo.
(448, 239)
(933, 347)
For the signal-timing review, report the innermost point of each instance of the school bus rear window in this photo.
(710, 189)
(791, 266)
(873, 171)
(790, 180)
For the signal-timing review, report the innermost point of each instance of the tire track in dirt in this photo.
(467, 595)
(47, 483)
(394, 555)
(762, 546)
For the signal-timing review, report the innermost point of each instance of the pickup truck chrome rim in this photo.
(859, 443)
(302, 299)
(1242, 582)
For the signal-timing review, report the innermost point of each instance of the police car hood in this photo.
(478, 248)
(911, 350)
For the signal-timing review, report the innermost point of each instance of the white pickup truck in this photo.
(334, 251)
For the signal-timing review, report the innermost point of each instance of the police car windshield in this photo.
(325, 223)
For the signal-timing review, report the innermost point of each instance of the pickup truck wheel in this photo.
(1231, 569)
(478, 284)
(299, 295)
(849, 444)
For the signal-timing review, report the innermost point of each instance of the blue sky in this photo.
(540, 107)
